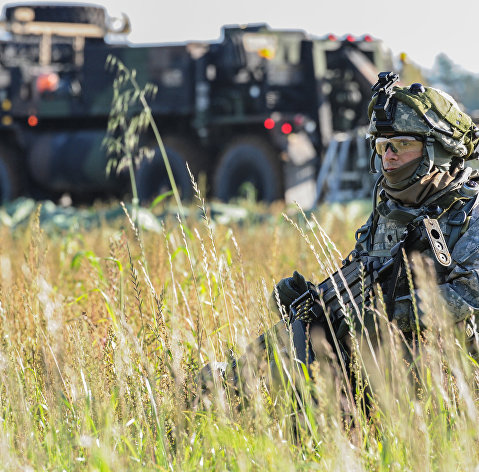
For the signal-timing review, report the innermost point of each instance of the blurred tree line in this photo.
(445, 75)
(458, 82)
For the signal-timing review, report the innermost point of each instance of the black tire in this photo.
(152, 179)
(63, 14)
(10, 175)
(249, 160)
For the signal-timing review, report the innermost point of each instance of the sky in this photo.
(420, 28)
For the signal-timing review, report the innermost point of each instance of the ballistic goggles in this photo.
(399, 144)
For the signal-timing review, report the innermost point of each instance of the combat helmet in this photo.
(449, 134)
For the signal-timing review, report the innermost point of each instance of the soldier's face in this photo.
(398, 150)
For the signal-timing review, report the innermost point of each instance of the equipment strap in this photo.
(458, 219)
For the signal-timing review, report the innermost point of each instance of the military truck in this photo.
(255, 108)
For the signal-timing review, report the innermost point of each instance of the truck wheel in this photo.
(10, 175)
(253, 161)
(152, 179)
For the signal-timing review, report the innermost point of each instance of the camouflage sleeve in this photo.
(461, 290)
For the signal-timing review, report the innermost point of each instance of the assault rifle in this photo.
(349, 289)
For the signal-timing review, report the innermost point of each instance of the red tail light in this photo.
(47, 82)
(269, 123)
(332, 37)
(286, 128)
(368, 38)
(350, 38)
(32, 121)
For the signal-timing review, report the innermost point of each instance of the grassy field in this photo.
(103, 331)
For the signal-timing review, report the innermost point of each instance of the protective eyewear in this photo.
(399, 144)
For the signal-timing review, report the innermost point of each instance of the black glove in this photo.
(289, 289)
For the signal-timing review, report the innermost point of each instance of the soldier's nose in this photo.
(390, 154)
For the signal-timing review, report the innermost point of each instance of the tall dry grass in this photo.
(103, 334)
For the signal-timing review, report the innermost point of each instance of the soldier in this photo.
(423, 141)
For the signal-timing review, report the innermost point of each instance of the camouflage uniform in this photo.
(449, 137)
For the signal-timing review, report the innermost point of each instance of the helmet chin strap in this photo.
(434, 157)
(428, 150)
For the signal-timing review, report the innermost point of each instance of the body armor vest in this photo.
(387, 224)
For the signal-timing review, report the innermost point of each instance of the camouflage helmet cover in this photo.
(424, 113)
